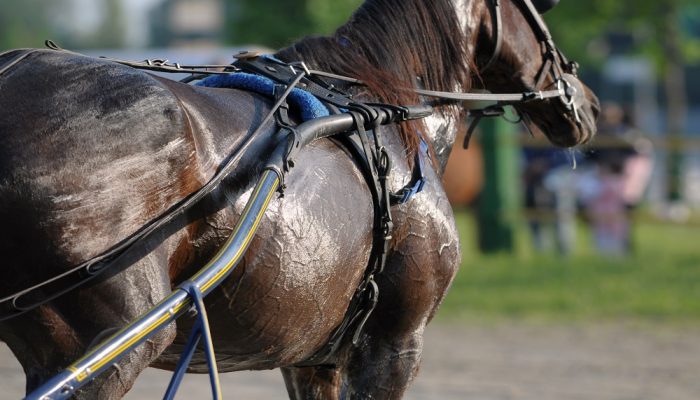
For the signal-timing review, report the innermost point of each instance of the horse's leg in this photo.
(420, 268)
(45, 341)
(129, 295)
(310, 383)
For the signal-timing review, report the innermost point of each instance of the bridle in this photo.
(563, 72)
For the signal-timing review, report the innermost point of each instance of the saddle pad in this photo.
(307, 105)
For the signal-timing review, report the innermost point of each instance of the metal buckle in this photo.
(301, 65)
(568, 96)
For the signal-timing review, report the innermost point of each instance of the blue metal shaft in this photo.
(185, 359)
(63, 385)
(199, 331)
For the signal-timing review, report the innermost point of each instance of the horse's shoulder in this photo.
(427, 221)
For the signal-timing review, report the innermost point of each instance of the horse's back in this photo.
(89, 152)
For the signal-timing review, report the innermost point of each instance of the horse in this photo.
(91, 150)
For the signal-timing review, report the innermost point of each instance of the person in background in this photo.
(550, 198)
(622, 162)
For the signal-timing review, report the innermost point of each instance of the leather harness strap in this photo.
(373, 160)
(497, 33)
(21, 56)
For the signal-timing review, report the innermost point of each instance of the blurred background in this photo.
(595, 248)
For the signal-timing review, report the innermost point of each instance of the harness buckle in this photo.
(301, 65)
(246, 55)
(387, 228)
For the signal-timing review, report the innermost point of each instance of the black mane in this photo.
(388, 44)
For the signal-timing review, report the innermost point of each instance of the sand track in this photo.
(499, 362)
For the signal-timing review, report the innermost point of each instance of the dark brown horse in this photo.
(91, 150)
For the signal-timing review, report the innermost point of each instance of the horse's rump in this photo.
(72, 163)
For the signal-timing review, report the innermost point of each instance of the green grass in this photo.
(660, 282)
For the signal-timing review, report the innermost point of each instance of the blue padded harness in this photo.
(307, 105)
(310, 107)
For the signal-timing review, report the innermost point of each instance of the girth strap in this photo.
(373, 160)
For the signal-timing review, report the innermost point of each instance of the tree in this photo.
(110, 32)
(279, 23)
(26, 23)
(580, 27)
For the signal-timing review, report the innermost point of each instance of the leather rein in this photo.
(555, 64)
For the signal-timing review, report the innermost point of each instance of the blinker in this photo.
(543, 6)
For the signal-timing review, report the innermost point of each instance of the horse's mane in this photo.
(388, 44)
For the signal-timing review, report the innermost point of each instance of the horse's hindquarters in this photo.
(93, 149)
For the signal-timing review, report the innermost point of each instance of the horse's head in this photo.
(515, 52)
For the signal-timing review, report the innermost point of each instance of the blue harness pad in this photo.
(307, 105)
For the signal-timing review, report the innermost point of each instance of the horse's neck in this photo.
(353, 38)
(442, 129)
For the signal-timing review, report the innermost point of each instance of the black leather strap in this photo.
(374, 164)
(21, 56)
(497, 33)
(284, 73)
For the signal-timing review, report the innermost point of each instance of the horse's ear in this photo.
(543, 6)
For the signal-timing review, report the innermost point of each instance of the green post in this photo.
(499, 201)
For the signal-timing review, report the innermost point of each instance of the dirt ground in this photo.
(499, 362)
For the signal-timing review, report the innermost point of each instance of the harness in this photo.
(365, 144)
(284, 82)
(366, 148)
